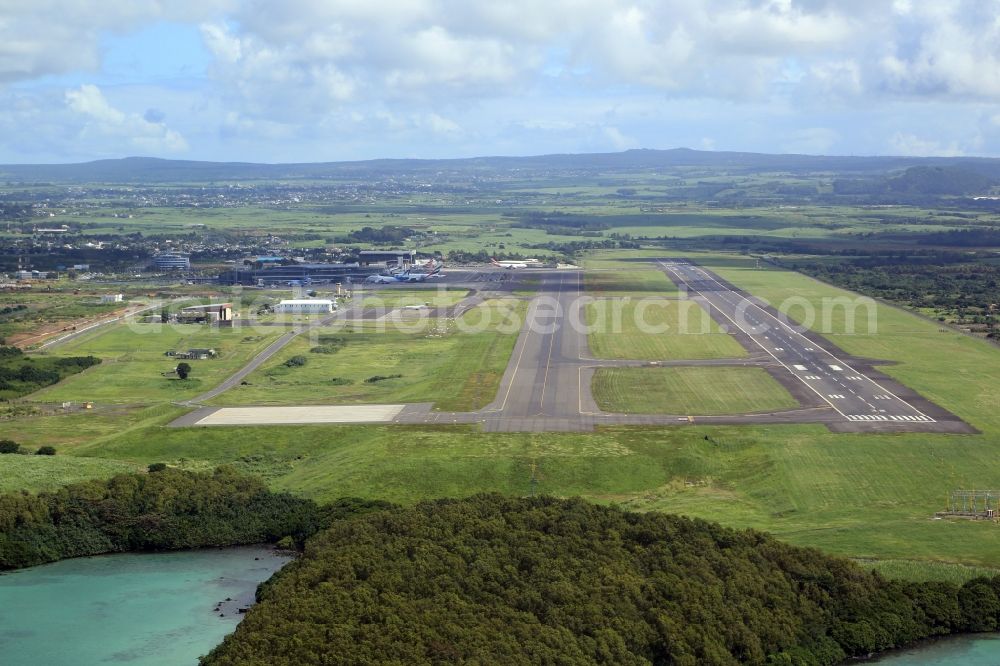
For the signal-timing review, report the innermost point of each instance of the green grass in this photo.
(633, 279)
(52, 310)
(689, 390)
(394, 297)
(912, 570)
(18, 472)
(863, 495)
(867, 496)
(134, 362)
(455, 365)
(656, 329)
(68, 430)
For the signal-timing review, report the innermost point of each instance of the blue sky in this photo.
(321, 80)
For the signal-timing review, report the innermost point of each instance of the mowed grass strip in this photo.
(656, 329)
(634, 280)
(695, 391)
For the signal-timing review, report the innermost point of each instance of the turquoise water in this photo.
(139, 610)
(977, 650)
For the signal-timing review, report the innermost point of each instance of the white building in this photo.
(305, 306)
(112, 298)
(172, 261)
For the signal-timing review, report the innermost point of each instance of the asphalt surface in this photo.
(543, 378)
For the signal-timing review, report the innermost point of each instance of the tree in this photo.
(46, 451)
(183, 370)
(8, 446)
(157, 467)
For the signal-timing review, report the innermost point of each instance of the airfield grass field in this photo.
(647, 328)
(398, 298)
(689, 390)
(629, 279)
(133, 362)
(869, 496)
(452, 364)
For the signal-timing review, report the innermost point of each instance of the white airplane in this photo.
(509, 265)
(433, 272)
(381, 279)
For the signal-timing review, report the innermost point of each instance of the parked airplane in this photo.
(420, 277)
(405, 276)
(509, 265)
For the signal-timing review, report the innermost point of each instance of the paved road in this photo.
(849, 392)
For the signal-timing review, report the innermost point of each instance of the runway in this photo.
(848, 392)
(542, 378)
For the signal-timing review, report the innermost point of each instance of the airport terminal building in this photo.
(301, 273)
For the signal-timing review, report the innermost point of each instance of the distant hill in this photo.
(155, 170)
(960, 179)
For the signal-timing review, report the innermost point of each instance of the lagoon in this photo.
(135, 609)
(969, 650)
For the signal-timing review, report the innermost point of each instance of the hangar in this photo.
(305, 306)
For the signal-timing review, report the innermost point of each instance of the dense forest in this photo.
(21, 375)
(501, 580)
(957, 289)
(386, 235)
(163, 510)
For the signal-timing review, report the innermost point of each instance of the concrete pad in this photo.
(310, 414)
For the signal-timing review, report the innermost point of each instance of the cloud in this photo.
(618, 140)
(102, 121)
(903, 143)
(48, 37)
(471, 76)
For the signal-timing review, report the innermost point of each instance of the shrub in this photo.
(296, 361)
(46, 451)
(8, 446)
(381, 378)
(157, 467)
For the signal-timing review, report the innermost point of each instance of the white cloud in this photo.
(449, 74)
(43, 37)
(903, 143)
(618, 140)
(102, 121)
